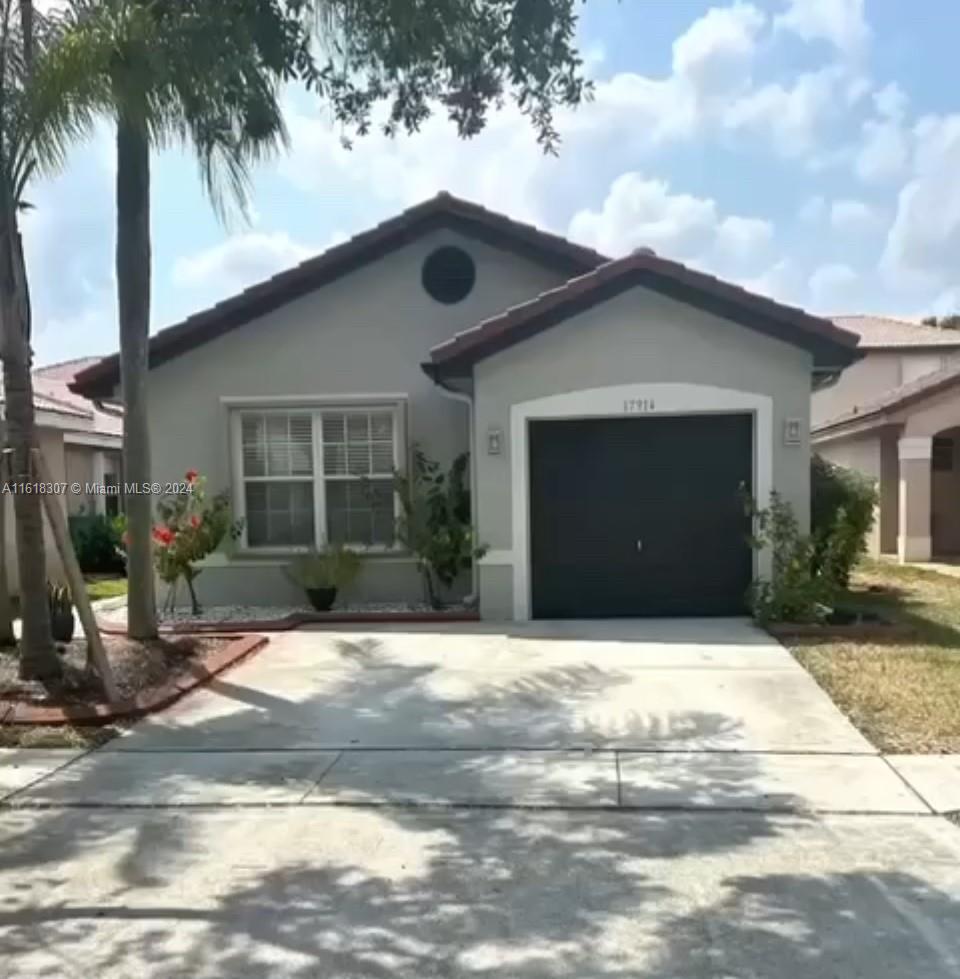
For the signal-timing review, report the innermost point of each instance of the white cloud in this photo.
(239, 261)
(643, 212)
(924, 242)
(884, 152)
(833, 286)
(782, 281)
(793, 115)
(841, 23)
(714, 54)
(851, 216)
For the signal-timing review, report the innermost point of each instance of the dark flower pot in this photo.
(322, 599)
(61, 626)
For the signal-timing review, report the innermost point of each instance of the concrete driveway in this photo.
(603, 800)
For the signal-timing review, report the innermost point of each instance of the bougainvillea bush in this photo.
(190, 526)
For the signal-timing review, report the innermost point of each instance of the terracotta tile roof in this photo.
(888, 332)
(901, 397)
(442, 211)
(832, 346)
(53, 384)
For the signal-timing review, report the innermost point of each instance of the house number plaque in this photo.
(638, 406)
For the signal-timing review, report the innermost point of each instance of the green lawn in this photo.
(98, 588)
(902, 693)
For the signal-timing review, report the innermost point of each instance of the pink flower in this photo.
(194, 521)
(192, 475)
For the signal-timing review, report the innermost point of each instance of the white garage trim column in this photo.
(913, 540)
(640, 400)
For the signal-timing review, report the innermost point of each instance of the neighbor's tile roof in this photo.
(53, 383)
(897, 399)
(888, 332)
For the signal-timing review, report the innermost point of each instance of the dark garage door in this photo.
(640, 516)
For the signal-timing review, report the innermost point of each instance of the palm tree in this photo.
(190, 73)
(27, 142)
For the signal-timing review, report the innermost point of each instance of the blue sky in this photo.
(807, 149)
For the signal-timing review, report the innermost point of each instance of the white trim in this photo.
(99, 472)
(496, 558)
(915, 447)
(308, 400)
(612, 402)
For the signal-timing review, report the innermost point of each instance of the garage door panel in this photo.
(640, 516)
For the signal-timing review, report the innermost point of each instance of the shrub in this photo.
(842, 512)
(96, 541)
(435, 521)
(190, 527)
(795, 592)
(334, 567)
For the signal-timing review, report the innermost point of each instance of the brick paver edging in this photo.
(297, 619)
(146, 702)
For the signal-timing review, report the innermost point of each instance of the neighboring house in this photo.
(612, 409)
(895, 416)
(92, 452)
(80, 442)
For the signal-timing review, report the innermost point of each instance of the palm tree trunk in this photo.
(7, 637)
(38, 658)
(133, 292)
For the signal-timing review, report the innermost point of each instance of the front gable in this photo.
(560, 258)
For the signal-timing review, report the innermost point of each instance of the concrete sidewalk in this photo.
(370, 893)
(567, 779)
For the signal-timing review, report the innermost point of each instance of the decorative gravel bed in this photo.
(267, 613)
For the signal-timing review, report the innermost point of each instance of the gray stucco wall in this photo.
(638, 337)
(366, 333)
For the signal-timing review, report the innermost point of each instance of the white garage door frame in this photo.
(618, 401)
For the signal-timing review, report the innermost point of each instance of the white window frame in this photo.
(315, 406)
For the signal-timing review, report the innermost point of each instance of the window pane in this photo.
(358, 458)
(382, 457)
(253, 445)
(335, 460)
(381, 425)
(280, 514)
(358, 427)
(360, 511)
(334, 428)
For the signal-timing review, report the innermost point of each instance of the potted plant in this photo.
(61, 612)
(321, 574)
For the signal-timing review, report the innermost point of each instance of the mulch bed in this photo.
(137, 666)
(149, 675)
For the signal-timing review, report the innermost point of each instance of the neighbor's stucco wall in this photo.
(366, 333)
(639, 337)
(78, 461)
(51, 445)
(877, 374)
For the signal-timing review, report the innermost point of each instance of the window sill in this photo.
(252, 556)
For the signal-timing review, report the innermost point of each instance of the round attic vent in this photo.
(449, 274)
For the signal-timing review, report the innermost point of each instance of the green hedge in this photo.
(96, 540)
(842, 507)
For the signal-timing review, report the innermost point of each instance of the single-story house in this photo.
(80, 441)
(894, 416)
(612, 409)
